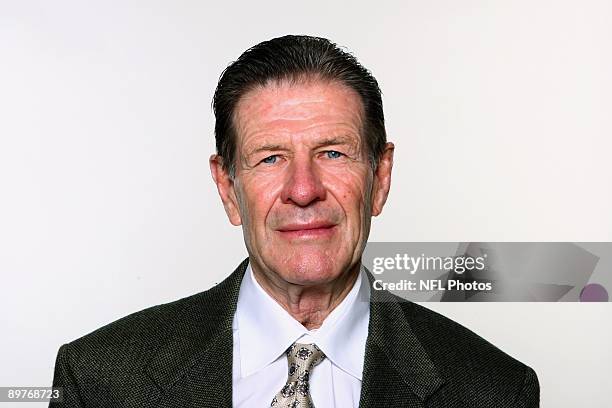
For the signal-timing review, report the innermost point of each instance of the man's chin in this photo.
(310, 270)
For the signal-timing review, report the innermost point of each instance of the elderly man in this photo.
(302, 165)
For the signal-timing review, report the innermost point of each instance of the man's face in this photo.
(304, 190)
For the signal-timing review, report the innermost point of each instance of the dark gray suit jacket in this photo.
(180, 355)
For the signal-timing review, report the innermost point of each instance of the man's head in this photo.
(302, 159)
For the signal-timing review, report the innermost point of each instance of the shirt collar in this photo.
(264, 325)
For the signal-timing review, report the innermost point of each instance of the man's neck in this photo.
(309, 305)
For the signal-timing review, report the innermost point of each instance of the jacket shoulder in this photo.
(471, 366)
(127, 344)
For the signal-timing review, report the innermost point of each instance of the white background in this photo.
(500, 111)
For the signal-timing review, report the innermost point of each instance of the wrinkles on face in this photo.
(303, 185)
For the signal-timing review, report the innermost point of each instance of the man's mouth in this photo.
(314, 229)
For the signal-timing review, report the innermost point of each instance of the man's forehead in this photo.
(289, 108)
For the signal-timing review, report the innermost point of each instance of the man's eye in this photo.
(332, 154)
(270, 159)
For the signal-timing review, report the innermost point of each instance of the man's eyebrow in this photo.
(336, 140)
(267, 148)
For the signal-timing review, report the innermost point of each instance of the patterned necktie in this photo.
(301, 359)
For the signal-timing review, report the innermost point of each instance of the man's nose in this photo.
(303, 184)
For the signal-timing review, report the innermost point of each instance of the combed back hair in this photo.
(295, 58)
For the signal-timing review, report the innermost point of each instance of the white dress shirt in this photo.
(263, 330)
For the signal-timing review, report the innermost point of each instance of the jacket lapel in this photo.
(193, 366)
(397, 370)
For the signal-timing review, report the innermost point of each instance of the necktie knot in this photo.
(304, 355)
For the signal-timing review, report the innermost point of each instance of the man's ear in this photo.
(382, 179)
(225, 187)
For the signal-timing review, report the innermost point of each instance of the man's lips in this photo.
(307, 230)
(307, 226)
